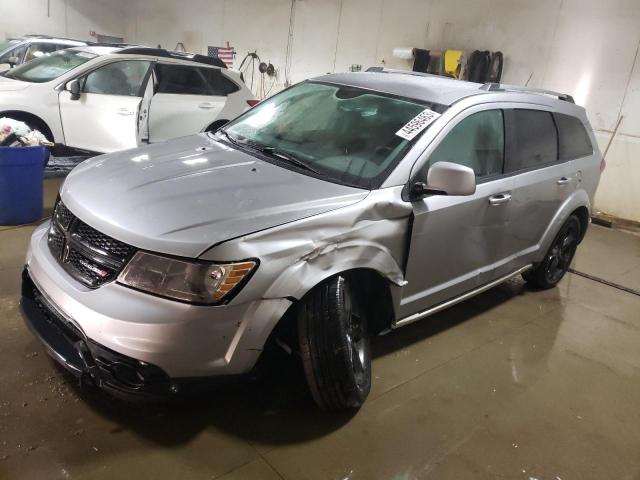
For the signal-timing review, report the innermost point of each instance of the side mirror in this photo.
(73, 87)
(446, 178)
(451, 178)
(13, 61)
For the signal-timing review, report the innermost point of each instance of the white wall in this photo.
(68, 18)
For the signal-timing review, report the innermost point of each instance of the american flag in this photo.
(225, 54)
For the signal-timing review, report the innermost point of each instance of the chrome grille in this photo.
(89, 256)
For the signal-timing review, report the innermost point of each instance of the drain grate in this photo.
(606, 282)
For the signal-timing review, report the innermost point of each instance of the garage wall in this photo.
(68, 18)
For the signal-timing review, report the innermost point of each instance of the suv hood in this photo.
(10, 85)
(183, 196)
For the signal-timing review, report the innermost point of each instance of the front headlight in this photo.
(189, 281)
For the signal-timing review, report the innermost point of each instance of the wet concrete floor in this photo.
(513, 384)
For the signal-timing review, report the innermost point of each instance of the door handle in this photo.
(563, 181)
(206, 105)
(125, 112)
(499, 199)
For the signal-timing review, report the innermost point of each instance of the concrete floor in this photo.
(512, 384)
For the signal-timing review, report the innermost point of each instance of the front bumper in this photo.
(87, 360)
(181, 340)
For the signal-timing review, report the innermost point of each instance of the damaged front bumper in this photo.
(87, 360)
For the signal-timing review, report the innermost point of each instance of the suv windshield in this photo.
(51, 66)
(343, 133)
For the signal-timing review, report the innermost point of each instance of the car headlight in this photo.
(189, 281)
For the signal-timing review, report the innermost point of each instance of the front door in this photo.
(458, 243)
(105, 117)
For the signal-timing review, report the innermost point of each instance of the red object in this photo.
(253, 103)
(603, 165)
(92, 33)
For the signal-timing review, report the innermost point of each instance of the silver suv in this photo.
(341, 208)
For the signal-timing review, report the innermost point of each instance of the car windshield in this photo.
(50, 66)
(8, 43)
(346, 134)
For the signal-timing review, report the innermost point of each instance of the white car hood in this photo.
(10, 85)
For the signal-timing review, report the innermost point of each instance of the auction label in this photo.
(417, 124)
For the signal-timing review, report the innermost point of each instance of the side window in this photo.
(17, 52)
(220, 85)
(118, 78)
(573, 139)
(534, 139)
(181, 79)
(39, 49)
(476, 142)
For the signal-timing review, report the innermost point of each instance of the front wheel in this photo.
(558, 258)
(334, 344)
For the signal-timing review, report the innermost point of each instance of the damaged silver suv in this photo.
(344, 206)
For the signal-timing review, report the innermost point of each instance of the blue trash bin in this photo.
(21, 177)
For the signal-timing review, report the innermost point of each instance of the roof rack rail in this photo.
(499, 87)
(161, 52)
(110, 44)
(395, 70)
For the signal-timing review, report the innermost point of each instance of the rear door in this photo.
(187, 99)
(542, 182)
(105, 118)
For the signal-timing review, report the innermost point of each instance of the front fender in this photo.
(577, 199)
(327, 260)
(370, 234)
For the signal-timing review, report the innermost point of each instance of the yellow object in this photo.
(452, 62)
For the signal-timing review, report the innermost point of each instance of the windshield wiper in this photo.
(274, 152)
(230, 138)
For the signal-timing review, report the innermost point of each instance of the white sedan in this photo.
(104, 98)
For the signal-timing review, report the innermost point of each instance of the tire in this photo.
(558, 258)
(334, 345)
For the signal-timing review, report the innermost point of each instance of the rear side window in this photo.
(181, 79)
(220, 85)
(534, 140)
(187, 80)
(476, 142)
(574, 140)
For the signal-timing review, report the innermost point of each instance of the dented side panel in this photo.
(297, 256)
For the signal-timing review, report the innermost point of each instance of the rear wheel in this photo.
(557, 260)
(334, 344)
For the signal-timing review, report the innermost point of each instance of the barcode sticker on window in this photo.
(417, 124)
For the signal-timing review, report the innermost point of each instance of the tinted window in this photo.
(574, 141)
(534, 139)
(476, 142)
(181, 79)
(118, 78)
(220, 85)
